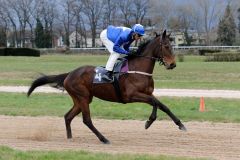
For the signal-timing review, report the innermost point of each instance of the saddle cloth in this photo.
(119, 68)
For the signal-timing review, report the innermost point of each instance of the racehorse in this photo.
(135, 86)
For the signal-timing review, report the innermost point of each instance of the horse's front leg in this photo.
(141, 97)
(150, 99)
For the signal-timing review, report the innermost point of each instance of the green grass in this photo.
(192, 73)
(218, 110)
(22, 70)
(11, 154)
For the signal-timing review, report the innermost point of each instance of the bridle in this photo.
(156, 59)
(159, 59)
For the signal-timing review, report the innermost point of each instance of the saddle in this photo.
(120, 68)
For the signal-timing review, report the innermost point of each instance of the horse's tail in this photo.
(55, 81)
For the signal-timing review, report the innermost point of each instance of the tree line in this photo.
(42, 20)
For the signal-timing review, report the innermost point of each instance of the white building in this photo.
(74, 39)
(60, 42)
(179, 38)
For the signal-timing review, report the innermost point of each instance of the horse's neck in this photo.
(145, 63)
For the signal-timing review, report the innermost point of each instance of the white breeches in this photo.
(109, 45)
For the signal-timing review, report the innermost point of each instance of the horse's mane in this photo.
(139, 50)
(142, 47)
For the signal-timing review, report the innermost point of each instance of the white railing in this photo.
(96, 48)
(206, 47)
(175, 47)
(76, 50)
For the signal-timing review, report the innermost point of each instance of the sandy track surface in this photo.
(203, 139)
(157, 92)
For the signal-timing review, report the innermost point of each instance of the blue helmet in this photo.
(139, 29)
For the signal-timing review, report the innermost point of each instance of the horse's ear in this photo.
(164, 34)
(169, 35)
(170, 38)
(156, 34)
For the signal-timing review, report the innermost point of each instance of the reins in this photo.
(156, 59)
(160, 60)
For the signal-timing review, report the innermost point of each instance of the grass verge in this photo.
(217, 109)
(8, 153)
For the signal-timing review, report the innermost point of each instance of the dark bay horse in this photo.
(134, 87)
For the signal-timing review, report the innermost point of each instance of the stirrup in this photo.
(107, 78)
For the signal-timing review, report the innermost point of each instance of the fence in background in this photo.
(102, 50)
(207, 47)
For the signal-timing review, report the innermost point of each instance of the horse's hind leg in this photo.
(170, 114)
(75, 110)
(88, 122)
(69, 117)
(152, 117)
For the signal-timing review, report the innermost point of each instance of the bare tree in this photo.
(126, 9)
(174, 23)
(236, 13)
(22, 8)
(210, 11)
(6, 8)
(3, 28)
(140, 9)
(162, 12)
(79, 24)
(84, 15)
(76, 11)
(66, 18)
(93, 10)
(185, 18)
(47, 13)
(31, 21)
(110, 13)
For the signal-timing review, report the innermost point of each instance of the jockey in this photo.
(118, 40)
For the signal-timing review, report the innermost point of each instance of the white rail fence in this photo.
(207, 47)
(96, 49)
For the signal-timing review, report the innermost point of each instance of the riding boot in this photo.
(108, 76)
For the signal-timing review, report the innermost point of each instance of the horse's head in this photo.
(165, 53)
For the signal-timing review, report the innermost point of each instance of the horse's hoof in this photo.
(148, 124)
(105, 141)
(69, 137)
(182, 127)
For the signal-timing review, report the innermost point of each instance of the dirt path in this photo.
(203, 139)
(157, 92)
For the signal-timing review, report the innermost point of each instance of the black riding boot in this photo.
(108, 76)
